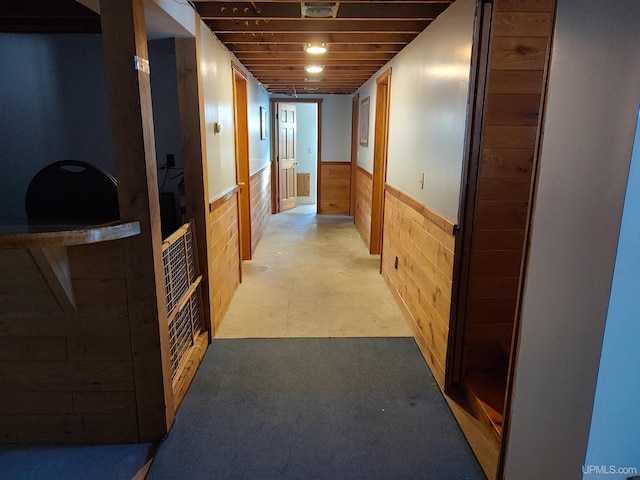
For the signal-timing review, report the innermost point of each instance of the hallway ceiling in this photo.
(268, 38)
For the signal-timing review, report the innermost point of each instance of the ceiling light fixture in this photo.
(316, 48)
(314, 68)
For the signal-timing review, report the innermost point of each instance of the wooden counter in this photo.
(66, 355)
(20, 234)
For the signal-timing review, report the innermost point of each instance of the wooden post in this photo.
(124, 37)
(193, 145)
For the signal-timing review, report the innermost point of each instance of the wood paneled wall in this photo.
(421, 280)
(67, 377)
(260, 188)
(519, 51)
(335, 188)
(364, 189)
(224, 254)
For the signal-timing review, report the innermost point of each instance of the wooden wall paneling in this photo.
(224, 253)
(518, 55)
(124, 34)
(260, 187)
(362, 218)
(355, 120)
(303, 181)
(75, 371)
(495, 213)
(81, 428)
(190, 95)
(526, 6)
(421, 278)
(335, 181)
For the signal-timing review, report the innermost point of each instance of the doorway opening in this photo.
(296, 150)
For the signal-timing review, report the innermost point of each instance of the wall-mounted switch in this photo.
(421, 181)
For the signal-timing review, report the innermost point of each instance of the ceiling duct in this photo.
(319, 9)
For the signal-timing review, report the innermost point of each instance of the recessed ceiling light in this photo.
(316, 48)
(314, 68)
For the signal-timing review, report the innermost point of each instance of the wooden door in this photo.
(240, 106)
(287, 156)
(383, 86)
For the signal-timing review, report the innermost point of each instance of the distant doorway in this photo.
(304, 140)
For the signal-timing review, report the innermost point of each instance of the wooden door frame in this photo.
(380, 149)
(468, 191)
(241, 137)
(355, 118)
(275, 164)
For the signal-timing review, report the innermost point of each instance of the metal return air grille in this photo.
(182, 294)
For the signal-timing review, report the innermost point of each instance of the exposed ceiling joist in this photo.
(268, 37)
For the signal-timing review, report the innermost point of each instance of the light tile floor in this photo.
(312, 276)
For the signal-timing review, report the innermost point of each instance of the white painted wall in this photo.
(53, 106)
(428, 111)
(593, 97)
(218, 107)
(259, 150)
(336, 128)
(614, 438)
(307, 141)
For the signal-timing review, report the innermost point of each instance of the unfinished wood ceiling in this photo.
(268, 37)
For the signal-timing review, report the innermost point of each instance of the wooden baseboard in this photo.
(189, 368)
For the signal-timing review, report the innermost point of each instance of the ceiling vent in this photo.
(319, 9)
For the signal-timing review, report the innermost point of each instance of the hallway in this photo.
(311, 276)
(313, 373)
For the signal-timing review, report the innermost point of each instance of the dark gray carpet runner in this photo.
(314, 408)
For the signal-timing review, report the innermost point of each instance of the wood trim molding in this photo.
(223, 197)
(346, 164)
(256, 174)
(365, 172)
(425, 211)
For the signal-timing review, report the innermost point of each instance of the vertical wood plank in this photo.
(190, 95)
(124, 36)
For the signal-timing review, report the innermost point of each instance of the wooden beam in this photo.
(196, 178)
(313, 25)
(306, 37)
(124, 37)
(53, 262)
